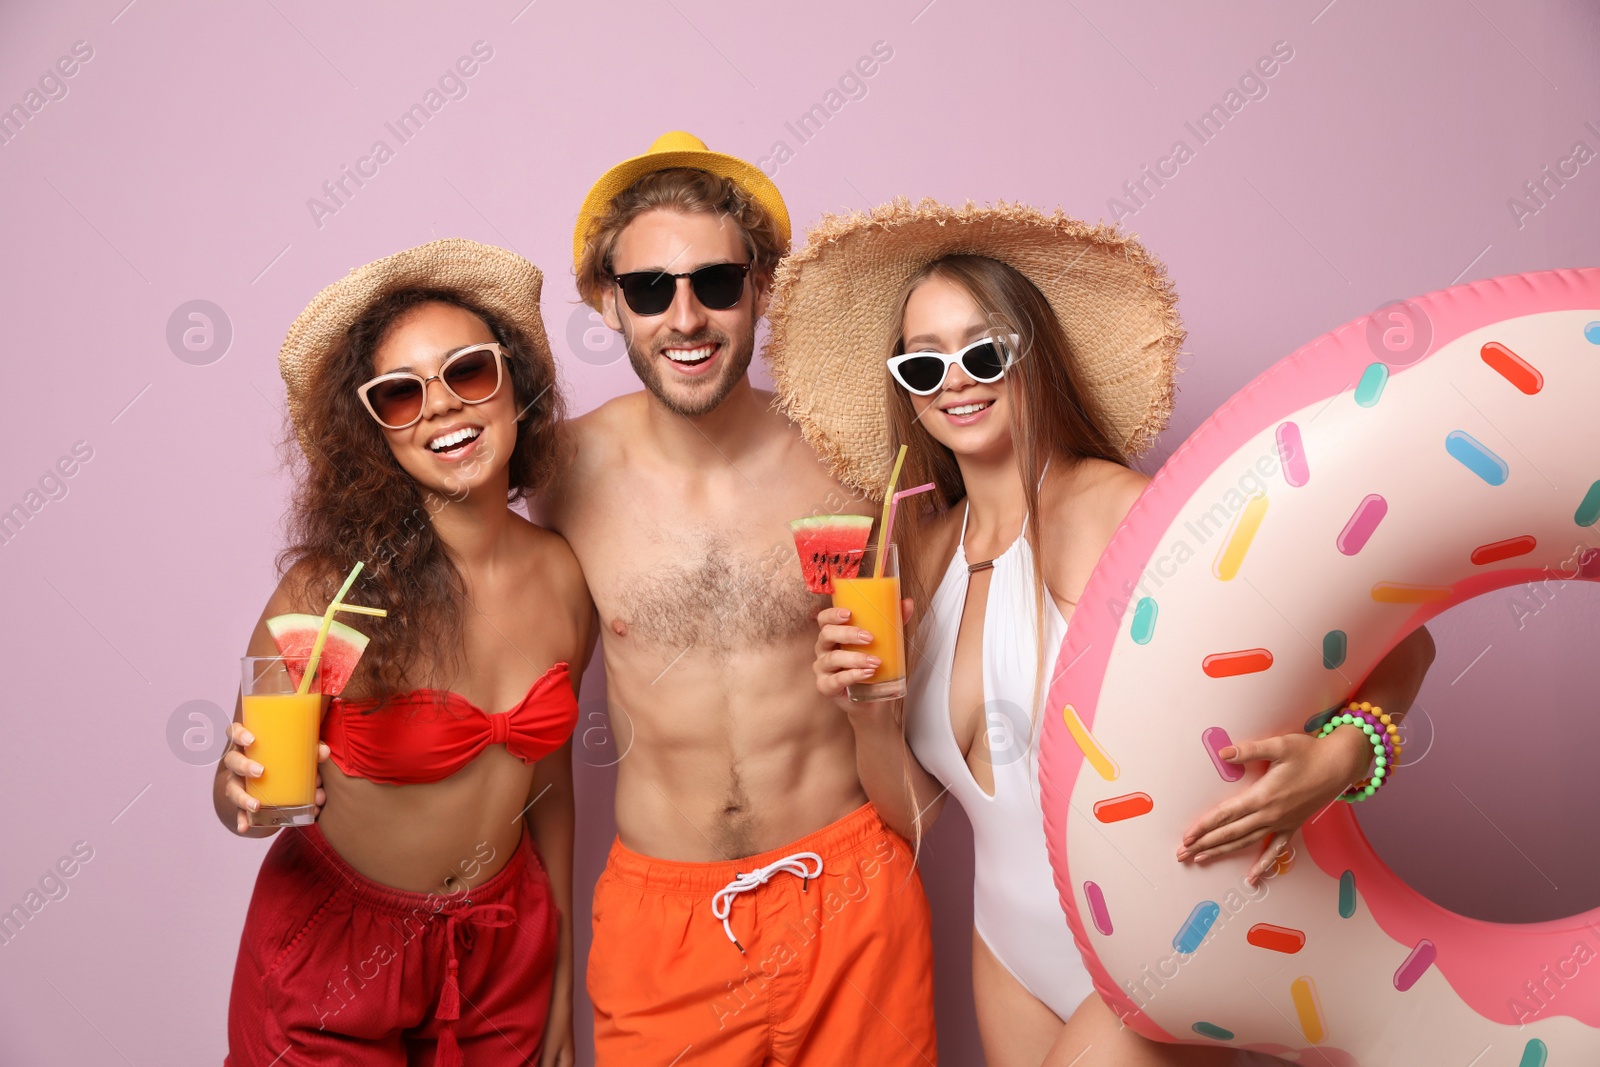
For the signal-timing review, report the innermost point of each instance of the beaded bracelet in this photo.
(1367, 786)
(1384, 735)
(1379, 728)
(1373, 721)
(1374, 717)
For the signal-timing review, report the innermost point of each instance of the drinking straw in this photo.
(322, 632)
(901, 495)
(359, 610)
(888, 502)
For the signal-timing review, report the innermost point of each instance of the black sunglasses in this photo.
(649, 292)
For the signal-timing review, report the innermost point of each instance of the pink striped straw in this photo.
(894, 505)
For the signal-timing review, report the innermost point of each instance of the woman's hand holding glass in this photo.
(242, 768)
(837, 666)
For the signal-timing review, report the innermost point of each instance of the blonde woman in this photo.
(1022, 360)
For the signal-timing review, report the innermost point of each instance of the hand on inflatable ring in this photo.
(1305, 774)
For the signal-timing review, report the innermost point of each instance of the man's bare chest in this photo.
(720, 579)
(710, 588)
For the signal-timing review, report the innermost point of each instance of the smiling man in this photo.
(754, 907)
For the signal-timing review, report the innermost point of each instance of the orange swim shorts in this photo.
(769, 959)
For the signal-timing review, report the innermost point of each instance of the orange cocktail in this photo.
(874, 606)
(285, 725)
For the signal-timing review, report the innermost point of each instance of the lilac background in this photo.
(178, 166)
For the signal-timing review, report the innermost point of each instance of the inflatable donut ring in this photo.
(1431, 452)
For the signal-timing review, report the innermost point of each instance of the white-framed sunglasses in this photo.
(984, 360)
(471, 375)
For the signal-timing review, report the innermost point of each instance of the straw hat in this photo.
(502, 283)
(677, 149)
(833, 317)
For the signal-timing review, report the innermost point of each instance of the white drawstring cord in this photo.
(722, 902)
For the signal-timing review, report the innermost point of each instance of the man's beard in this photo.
(708, 394)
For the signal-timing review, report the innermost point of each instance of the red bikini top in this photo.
(429, 734)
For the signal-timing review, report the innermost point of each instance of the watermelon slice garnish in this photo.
(295, 634)
(830, 546)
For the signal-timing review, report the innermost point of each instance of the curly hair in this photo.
(353, 501)
(686, 191)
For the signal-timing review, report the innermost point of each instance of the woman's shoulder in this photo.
(1094, 489)
(1087, 501)
(302, 588)
(548, 553)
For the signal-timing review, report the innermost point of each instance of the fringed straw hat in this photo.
(834, 315)
(501, 282)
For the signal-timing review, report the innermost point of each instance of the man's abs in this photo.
(726, 754)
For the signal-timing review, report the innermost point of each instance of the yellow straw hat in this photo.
(677, 149)
(833, 317)
(502, 283)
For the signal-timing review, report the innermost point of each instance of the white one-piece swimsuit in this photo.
(1015, 906)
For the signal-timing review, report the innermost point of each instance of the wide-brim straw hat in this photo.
(503, 283)
(672, 150)
(834, 315)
